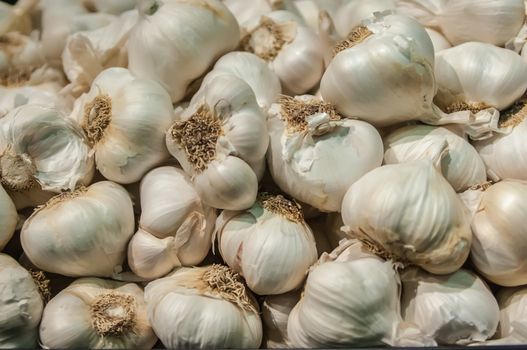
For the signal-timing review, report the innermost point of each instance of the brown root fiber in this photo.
(113, 314)
(267, 39)
(63, 197)
(42, 283)
(483, 186)
(514, 115)
(16, 76)
(356, 36)
(97, 117)
(295, 112)
(198, 136)
(229, 285)
(17, 171)
(465, 106)
(278, 204)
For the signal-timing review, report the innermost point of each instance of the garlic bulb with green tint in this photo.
(203, 307)
(409, 212)
(81, 233)
(269, 244)
(97, 314)
(275, 312)
(461, 166)
(41, 148)
(351, 14)
(452, 309)
(175, 227)
(293, 51)
(498, 249)
(205, 30)
(217, 139)
(125, 119)
(20, 305)
(8, 218)
(312, 146)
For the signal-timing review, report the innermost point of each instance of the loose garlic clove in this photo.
(270, 244)
(311, 146)
(97, 313)
(81, 233)
(352, 13)
(217, 139)
(192, 47)
(125, 119)
(294, 52)
(275, 312)
(8, 218)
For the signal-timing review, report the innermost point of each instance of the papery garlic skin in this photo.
(84, 233)
(478, 73)
(175, 227)
(125, 119)
(21, 305)
(453, 309)
(206, 30)
(114, 7)
(408, 211)
(20, 53)
(275, 312)
(498, 248)
(98, 314)
(44, 95)
(462, 166)
(248, 16)
(270, 244)
(8, 218)
(187, 310)
(309, 164)
(351, 13)
(513, 306)
(218, 139)
(439, 41)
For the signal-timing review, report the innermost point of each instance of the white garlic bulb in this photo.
(8, 218)
(513, 311)
(275, 312)
(217, 138)
(20, 55)
(294, 52)
(312, 146)
(20, 304)
(498, 248)
(453, 309)
(361, 81)
(175, 227)
(408, 211)
(270, 244)
(351, 13)
(461, 166)
(248, 16)
(39, 147)
(476, 76)
(254, 71)
(97, 314)
(504, 154)
(206, 29)
(81, 233)
(46, 94)
(203, 307)
(125, 119)
(438, 40)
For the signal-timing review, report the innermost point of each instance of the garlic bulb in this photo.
(461, 166)
(248, 16)
(39, 147)
(8, 218)
(125, 119)
(513, 308)
(275, 312)
(203, 307)
(20, 55)
(311, 146)
(351, 14)
(294, 52)
(97, 314)
(504, 154)
(46, 95)
(217, 138)
(453, 309)
(114, 7)
(175, 227)
(81, 233)
(252, 70)
(475, 76)
(490, 21)
(438, 40)
(498, 248)
(206, 29)
(409, 212)
(86, 54)
(21, 305)
(270, 244)
(361, 81)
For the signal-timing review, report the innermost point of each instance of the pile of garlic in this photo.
(263, 173)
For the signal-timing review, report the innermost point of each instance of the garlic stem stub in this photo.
(98, 314)
(270, 244)
(203, 307)
(81, 233)
(218, 139)
(312, 146)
